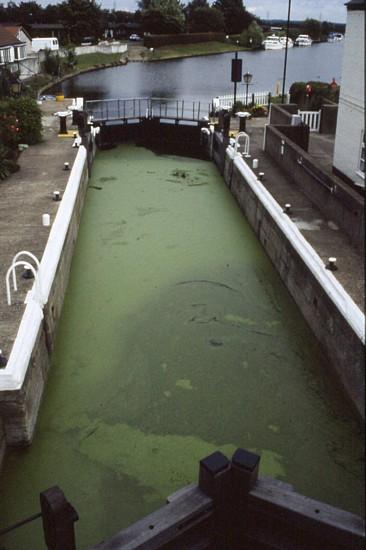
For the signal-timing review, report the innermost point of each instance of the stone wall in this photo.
(334, 319)
(338, 202)
(282, 113)
(24, 378)
(328, 119)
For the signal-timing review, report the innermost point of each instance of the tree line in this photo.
(87, 18)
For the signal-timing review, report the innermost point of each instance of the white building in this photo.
(12, 50)
(349, 150)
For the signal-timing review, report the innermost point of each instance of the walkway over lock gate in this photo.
(133, 109)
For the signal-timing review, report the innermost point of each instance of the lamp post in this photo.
(247, 80)
(286, 48)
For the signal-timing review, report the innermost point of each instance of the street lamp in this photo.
(286, 48)
(247, 80)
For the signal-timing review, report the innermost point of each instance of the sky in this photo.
(324, 10)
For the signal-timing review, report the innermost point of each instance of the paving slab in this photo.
(24, 197)
(321, 232)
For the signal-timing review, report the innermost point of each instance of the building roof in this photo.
(356, 5)
(14, 29)
(46, 26)
(7, 38)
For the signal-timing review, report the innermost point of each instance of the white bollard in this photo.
(255, 163)
(46, 220)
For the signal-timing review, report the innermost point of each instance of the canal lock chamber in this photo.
(177, 338)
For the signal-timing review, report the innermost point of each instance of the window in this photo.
(5, 55)
(19, 52)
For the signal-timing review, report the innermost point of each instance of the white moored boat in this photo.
(335, 37)
(303, 40)
(290, 42)
(272, 42)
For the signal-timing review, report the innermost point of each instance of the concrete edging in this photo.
(335, 319)
(23, 380)
(12, 376)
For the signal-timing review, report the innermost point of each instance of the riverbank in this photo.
(138, 53)
(176, 51)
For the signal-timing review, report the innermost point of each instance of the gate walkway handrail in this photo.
(103, 110)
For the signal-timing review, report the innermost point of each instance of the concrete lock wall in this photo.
(23, 380)
(328, 119)
(334, 318)
(282, 114)
(339, 203)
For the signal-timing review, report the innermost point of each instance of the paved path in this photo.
(24, 197)
(322, 233)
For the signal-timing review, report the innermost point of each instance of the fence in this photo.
(256, 98)
(142, 107)
(311, 118)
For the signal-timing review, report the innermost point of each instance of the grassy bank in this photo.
(191, 50)
(88, 60)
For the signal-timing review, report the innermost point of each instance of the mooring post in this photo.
(244, 474)
(214, 481)
(58, 517)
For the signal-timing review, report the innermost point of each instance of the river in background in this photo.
(177, 338)
(202, 78)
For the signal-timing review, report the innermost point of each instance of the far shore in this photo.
(137, 53)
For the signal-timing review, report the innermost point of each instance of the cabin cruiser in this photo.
(303, 40)
(272, 42)
(335, 37)
(290, 42)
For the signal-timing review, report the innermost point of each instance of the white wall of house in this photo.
(23, 37)
(351, 112)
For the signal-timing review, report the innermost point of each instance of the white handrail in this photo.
(246, 143)
(15, 259)
(25, 265)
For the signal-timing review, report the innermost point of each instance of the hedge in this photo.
(158, 40)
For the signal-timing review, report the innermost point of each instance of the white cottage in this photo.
(12, 50)
(349, 150)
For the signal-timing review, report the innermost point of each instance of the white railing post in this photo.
(25, 265)
(15, 259)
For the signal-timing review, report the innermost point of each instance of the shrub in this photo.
(320, 91)
(52, 64)
(9, 130)
(29, 118)
(7, 162)
(259, 110)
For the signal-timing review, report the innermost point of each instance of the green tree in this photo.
(235, 15)
(70, 59)
(313, 28)
(252, 37)
(29, 119)
(82, 18)
(51, 64)
(29, 12)
(163, 16)
(205, 19)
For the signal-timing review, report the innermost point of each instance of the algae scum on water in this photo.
(177, 339)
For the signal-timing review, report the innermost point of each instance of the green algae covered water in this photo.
(177, 339)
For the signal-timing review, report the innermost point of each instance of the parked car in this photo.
(88, 41)
(135, 38)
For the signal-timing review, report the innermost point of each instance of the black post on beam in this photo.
(58, 517)
(244, 474)
(214, 480)
(63, 128)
